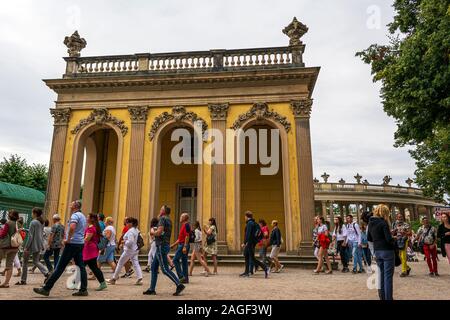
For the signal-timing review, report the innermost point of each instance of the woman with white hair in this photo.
(55, 241)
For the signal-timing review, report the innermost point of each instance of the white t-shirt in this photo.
(322, 229)
(198, 235)
(112, 240)
(340, 236)
(353, 232)
(130, 239)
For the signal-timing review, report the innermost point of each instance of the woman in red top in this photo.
(264, 242)
(324, 243)
(92, 237)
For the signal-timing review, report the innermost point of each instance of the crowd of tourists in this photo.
(392, 244)
(91, 241)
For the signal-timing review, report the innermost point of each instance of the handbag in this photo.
(401, 243)
(398, 261)
(16, 239)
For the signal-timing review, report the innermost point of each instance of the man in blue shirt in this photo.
(73, 249)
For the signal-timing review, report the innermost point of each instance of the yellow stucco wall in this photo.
(145, 214)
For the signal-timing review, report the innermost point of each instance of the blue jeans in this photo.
(71, 251)
(183, 268)
(161, 260)
(357, 255)
(48, 254)
(386, 266)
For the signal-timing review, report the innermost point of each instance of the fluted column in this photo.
(138, 115)
(302, 112)
(61, 122)
(324, 208)
(331, 215)
(219, 114)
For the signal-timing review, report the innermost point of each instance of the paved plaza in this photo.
(293, 283)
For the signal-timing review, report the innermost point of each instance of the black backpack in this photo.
(140, 242)
(257, 234)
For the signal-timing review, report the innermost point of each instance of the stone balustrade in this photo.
(212, 60)
(355, 187)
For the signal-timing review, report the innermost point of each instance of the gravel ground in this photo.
(292, 283)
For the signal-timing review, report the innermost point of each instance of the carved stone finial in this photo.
(325, 177)
(295, 30)
(302, 108)
(75, 44)
(218, 111)
(365, 182)
(409, 182)
(386, 180)
(61, 117)
(260, 111)
(358, 178)
(316, 180)
(342, 181)
(138, 114)
(100, 116)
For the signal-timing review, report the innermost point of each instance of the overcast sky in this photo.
(350, 132)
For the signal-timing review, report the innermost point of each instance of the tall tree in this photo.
(36, 176)
(415, 75)
(14, 170)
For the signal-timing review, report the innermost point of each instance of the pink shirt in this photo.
(90, 250)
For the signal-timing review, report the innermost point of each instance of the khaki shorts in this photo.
(275, 252)
(9, 254)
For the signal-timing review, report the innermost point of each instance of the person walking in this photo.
(128, 270)
(162, 240)
(264, 243)
(101, 221)
(353, 242)
(197, 252)
(339, 238)
(383, 244)
(444, 234)
(55, 243)
(315, 241)
(73, 250)
(107, 255)
(33, 246)
(180, 259)
(324, 243)
(8, 246)
(401, 231)
(275, 242)
(92, 237)
(366, 252)
(250, 241)
(210, 247)
(16, 264)
(427, 238)
(152, 243)
(130, 252)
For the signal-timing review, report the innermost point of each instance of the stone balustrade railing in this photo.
(354, 187)
(212, 60)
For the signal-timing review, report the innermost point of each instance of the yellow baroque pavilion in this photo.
(113, 120)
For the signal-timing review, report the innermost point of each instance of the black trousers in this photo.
(92, 264)
(249, 255)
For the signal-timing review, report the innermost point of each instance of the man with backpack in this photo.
(183, 245)
(353, 243)
(253, 235)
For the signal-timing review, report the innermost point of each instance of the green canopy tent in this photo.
(20, 198)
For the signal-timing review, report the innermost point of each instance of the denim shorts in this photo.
(108, 256)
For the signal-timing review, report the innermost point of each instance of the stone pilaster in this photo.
(138, 117)
(60, 127)
(302, 112)
(218, 175)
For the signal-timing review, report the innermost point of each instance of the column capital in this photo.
(218, 111)
(302, 108)
(61, 117)
(138, 114)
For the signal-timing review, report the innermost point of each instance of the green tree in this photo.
(415, 75)
(14, 170)
(36, 177)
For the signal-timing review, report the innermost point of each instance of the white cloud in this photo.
(350, 132)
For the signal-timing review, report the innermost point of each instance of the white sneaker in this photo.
(138, 282)
(111, 281)
(281, 267)
(369, 269)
